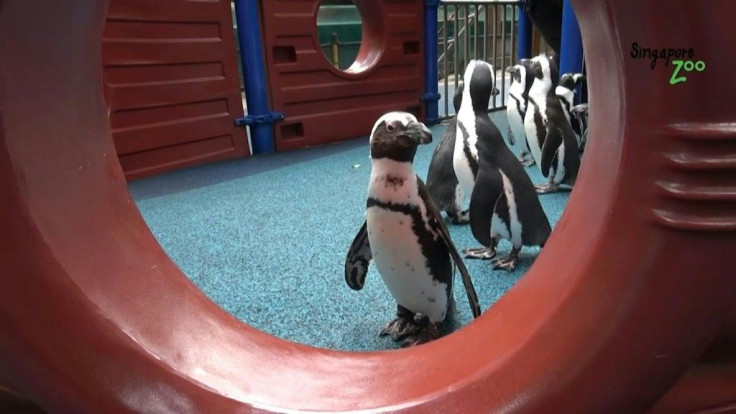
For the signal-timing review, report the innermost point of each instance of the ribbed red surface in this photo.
(172, 84)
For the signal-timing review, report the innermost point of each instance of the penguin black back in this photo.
(442, 182)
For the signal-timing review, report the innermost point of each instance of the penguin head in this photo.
(520, 72)
(457, 100)
(545, 69)
(480, 81)
(571, 80)
(396, 135)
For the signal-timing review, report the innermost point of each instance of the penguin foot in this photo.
(509, 262)
(459, 218)
(401, 327)
(428, 334)
(546, 188)
(527, 162)
(483, 253)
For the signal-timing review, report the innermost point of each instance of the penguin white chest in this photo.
(516, 122)
(512, 230)
(465, 136)
(557, 168)
(397, 252)
(402, 265)
(534, 118)
(517, 101)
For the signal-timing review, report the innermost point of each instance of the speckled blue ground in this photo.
(266, 239)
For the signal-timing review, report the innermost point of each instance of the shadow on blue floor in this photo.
(266, 239)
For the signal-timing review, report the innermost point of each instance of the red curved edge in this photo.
(630, 291)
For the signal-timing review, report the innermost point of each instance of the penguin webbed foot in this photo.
(482, 253)
(427, 333)
(527, 162)
(402, 326)
(546, 188)
(526, 159)
(509, 262)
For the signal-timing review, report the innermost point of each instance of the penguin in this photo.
(405, 235)
(521, 82)
(560, 151)
(565, 91)
(441, 180)
(546, 76)
(503, 203)
(465, 157)
(580, 115)
(465, 154)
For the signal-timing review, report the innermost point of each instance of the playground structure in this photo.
(172, 83)
(639, 316)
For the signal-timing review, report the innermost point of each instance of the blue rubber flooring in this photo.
(266, 238)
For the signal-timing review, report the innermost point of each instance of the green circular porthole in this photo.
(340, 32)
(350, 34)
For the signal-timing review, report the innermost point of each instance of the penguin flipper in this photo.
(358, 259)
(436, 222)
(487, 192)
(552, 142)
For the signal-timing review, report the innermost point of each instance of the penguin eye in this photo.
(390, 127)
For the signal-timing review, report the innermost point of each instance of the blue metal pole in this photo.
(431, 75)
(259, 118)
(524, 37)
(571, 53)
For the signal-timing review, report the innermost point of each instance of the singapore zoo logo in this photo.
(680, 66)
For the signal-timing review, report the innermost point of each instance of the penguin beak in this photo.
(495, 92)
(510, 69)
(418, 132)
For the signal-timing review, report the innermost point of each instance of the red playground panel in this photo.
(171, 82)
(324, 104)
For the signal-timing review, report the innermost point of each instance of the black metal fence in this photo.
(475, 30)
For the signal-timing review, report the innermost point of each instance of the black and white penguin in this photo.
(546, 76)
(441, 180)
(580, 115)
(405, 235)
(503, 203)
(465, 156)
(521, 82)
(560, 152)
(565, 91)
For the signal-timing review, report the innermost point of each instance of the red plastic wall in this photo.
(172, 84)
(323, 104)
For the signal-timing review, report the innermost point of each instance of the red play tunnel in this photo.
(635, 284)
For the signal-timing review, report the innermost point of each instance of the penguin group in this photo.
(404, 233)
(550, 133)
(503, 202)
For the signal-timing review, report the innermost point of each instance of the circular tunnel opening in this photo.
(267, 238)
(349, 34)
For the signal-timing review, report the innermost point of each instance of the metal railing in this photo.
(475, 30)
